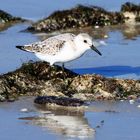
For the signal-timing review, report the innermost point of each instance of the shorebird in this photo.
(61, 48)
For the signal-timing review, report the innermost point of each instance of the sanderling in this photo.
(61, 48)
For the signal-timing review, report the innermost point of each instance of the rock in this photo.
(34, 79)
(2, 98)
(78, 17)
(82, 17)
(138, 106)
(130, 7)
(131, 101)
(62, 101)
(7, 19)
(24, 110)
(131, 12)
(104, 94)
(132, 97)
(39, 78)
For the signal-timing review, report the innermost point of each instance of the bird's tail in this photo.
(20, 47)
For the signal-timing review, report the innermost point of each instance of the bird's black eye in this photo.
(85, 41)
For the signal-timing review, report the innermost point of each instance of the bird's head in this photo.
(85, 42)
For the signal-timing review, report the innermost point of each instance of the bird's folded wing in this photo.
(50, 46)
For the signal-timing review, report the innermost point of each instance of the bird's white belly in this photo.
(65, 55)
(44, 57)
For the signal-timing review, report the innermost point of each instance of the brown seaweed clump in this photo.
(78, 17)
(39, 79)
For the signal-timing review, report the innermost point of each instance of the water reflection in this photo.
(131, 31)
(4, 27)
(68, 123)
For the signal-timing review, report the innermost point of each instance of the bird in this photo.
(61, 48)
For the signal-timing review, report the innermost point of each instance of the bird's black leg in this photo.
(63, 67)
(63, 71)
(49, 71)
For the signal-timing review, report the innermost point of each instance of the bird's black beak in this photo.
(94, 49)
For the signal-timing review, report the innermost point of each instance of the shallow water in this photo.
(102, 120)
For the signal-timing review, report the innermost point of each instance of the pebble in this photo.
(24, 110)
(2, 98)
(96, 27)
(131, 101)
(138, 106)
(105, 36)
(103, 43)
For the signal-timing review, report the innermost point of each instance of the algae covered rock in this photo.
(33, 79)
(78, 17)
(6, 17)
(95, 87)
(7, 20)
(39, 79)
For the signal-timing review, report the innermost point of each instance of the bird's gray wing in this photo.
(50, 46)
(65, 36)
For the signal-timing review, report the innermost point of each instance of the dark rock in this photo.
(7, 20)
(5, 17)
(62, 101)
(78, 17)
